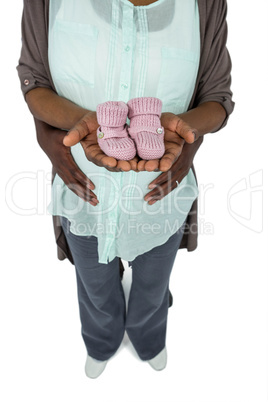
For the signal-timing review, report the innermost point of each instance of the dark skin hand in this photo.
(166, 182)
(181, 132)
(85, 133)
(176, 162)
(50, 140)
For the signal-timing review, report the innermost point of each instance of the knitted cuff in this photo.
(145, 105)
(112, 114)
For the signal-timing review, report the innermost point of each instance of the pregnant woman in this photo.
(78, 55)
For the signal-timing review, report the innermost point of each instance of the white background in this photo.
(217, 331)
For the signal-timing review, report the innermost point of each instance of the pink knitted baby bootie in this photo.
(145, 127)
(112, 134)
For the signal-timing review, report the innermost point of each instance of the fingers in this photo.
(166, 182)
(71, 170)
(162, 178)
(152, 165)
(95, 154)
(160, 191)
(185, 131)
(134, 163)
(174, 123)
(141, 165)
(170, 156)
(173, 149)
(76, 180)
(81, 178)
(124, 166)
(115, 169)
(81, 191)
(163, 164)
(76, 134)
(166, 162)
(101, 159)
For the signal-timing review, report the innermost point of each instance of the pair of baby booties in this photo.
(144, 135)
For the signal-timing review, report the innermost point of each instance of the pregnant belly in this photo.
(121, 195)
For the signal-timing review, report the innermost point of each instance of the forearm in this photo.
(205, 118)
(47, 106)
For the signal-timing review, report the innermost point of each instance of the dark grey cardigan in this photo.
(213, 81)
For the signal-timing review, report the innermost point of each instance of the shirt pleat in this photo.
(143, 42)
(112, 51)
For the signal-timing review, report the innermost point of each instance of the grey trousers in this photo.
(101, 298)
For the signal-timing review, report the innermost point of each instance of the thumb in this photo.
(76, 134)
(186, 132)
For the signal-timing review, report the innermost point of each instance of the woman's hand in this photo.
(50, 140)
(176, 124)
(166, 182)
(85, 132)
(177, 132)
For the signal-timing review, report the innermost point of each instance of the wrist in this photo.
(59, 112)
(205, 118)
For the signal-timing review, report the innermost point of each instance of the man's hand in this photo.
(50, 140)
(177, 132)
(166, 182)
(177, 125)
(85, 132)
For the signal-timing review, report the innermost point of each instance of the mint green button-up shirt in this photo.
(111, 50)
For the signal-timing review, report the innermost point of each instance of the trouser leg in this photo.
(149, 297)
(100, 296)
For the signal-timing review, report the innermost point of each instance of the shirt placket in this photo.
(128, 44)
(127, 52)
(143, 51)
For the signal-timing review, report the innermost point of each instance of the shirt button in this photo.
(124, 86)
(26, 82)
(127, 48)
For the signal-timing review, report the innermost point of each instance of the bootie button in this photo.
(101, 135)
(159, 130)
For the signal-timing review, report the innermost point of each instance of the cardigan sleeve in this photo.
(33, 68)
(215, 81)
